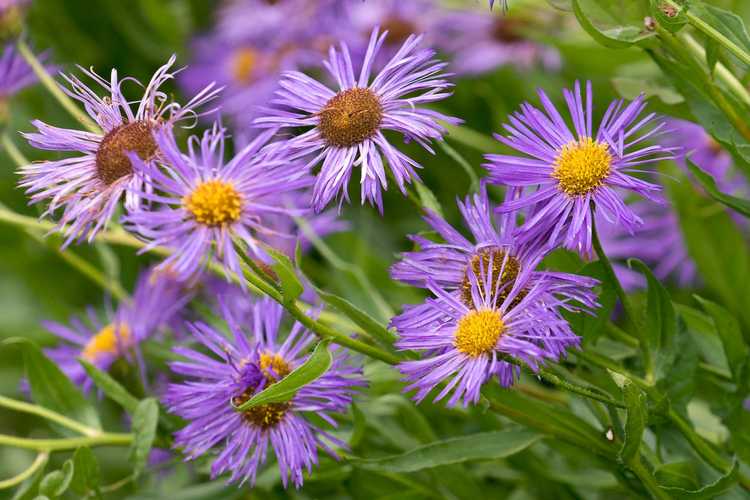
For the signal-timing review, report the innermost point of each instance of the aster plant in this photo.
(205, 203)
(348, 125)
(258, 354)
(565, 172)
(87, 189)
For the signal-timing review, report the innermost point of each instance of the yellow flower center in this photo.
(214, 203)
(112, 162)
(582, 166)
(350, 117)
(244, 63)
(478, 332)
(479, 264)
(112, 339)
(268, 415)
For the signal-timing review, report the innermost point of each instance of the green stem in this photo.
(52, 87)
(712, 32)
(38, 463)
(610, 272)
(578, 389)
(648, 479)
(104, 439)
(472, 138)
(13, 151)
(49, 415)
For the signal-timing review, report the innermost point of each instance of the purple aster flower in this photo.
(348, 126)
(566, 172)
(746, 405)
(88, 188)
(15, 73)
(465, 341)
(207, 204)
(235, 372)
(155, 303)
(480, 42)
(449, 265)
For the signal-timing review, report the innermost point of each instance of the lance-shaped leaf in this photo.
(316, 365)
(51, 388)
(481, 446)
(362, 319)
(732, 33)
(709, 184)
(713, 490)
(613, 23)
(291, 287)
(637, 413)
(145, 418)
(735, 349)
(111, 387)
(86, 474)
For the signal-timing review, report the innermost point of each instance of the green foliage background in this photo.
(138, 35)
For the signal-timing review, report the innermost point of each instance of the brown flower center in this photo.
(112, 162)
(506, 30)
(274, 368)
(503, 269)
(398, 29)
(350, 117)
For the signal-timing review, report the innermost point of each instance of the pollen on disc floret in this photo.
(582, 166)
(350, 117)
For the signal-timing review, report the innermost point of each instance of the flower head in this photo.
(88, 188)
(567, 171)
(449, 265)
(348, 125)
(466, 337)
(155, 304)
(259, 355)
(205, 204)
(15, 72)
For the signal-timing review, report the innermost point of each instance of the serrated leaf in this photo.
(713, 490)
(51, 388)
(709, 184)
(481, 446)
(291, 286)
(728, 329)
(109, 386)
(362, 319)
(86, 475)
(637, 413)
(145, 419)
(316, 365)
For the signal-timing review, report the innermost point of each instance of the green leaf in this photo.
(613, 23)
(28, 489)
(145, 418)
(591, 327)
(427, 198)
(316, 365)
(637, 413)
(57, 482)
(678, 474)
(360, 318)
(291, 287)
(713, 51)
(709, 184)
(481, 446)
(671, 18)
(52, 389)
(86, 474)
(112, 388)
(473, 179)
(735, 349)
(660, 323)
(713, 490)
(728, 24)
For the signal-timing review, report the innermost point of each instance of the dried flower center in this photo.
(274, 368)
(582, 166)
(478, 331)
(112, 162)
(350, 117)
(506, 30)
(244, 63)
(503, 269)
(214, 203)
(398, 29)
(111, 339)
